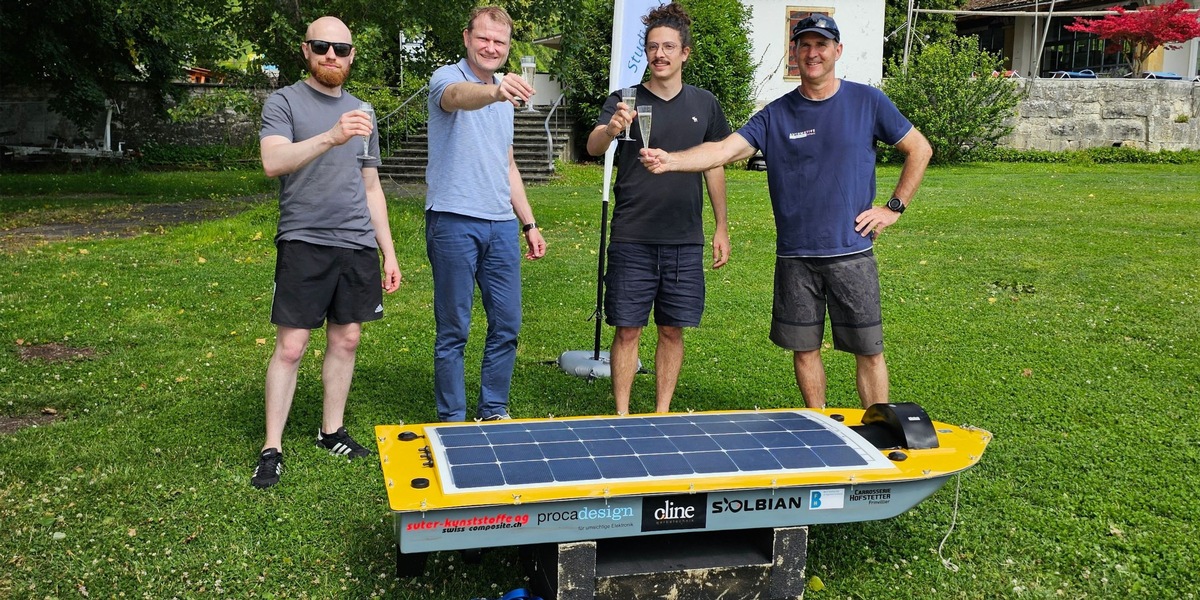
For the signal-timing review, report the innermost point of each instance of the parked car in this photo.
(756, 162)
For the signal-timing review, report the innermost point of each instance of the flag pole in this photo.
(627, 63)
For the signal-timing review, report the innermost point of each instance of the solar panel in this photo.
(508, 455)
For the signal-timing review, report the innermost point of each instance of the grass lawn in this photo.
(1055, 305)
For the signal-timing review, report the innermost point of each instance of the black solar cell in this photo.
(614, 448)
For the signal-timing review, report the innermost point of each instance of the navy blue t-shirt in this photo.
(821, 165)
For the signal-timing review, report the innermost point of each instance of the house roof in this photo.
(1039, 5)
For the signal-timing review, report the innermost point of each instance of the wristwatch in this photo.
(526, 227)
(896, 205)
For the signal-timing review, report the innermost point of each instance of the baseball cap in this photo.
(821, 24)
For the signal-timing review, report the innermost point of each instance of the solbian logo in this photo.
(667, 513)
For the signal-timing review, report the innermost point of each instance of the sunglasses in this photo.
(320, 47)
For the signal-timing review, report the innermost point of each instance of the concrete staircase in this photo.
(409, 157)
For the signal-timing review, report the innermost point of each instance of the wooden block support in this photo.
(759, 564)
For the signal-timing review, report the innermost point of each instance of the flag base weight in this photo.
(583, 363)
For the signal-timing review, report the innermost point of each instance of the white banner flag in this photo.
(628, 56)
(628, 61)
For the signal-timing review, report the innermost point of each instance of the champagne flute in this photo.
(528, 69)
(629, 97)
(644, 115)
(370, 110)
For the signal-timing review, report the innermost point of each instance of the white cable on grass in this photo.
(953, 518)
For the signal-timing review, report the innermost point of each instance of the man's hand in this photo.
(513, 88)
(537, 244)
(350, 125)
(391, 276)
(655, 160)
(620, 120)
(720, 246)
(874, 220)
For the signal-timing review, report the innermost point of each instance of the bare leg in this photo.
(281, 381)
(624, 360)
(668, 359)
(810, 377)
(871, 376)
(338, 371)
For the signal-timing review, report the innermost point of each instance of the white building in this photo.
(1015, 29)
(861, 26)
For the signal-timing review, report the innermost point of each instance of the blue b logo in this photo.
(814, 500)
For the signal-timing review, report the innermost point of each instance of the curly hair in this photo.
(670, 15)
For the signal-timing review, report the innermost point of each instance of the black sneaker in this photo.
(270, 465)
(339, 443)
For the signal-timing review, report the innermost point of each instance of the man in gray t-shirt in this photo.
(333, 225)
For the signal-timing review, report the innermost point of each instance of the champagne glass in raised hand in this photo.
(644, 115)
(528, 70)
(370, 110)
(629, 97)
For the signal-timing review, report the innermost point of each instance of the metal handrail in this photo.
(550, 136)
(387, 119)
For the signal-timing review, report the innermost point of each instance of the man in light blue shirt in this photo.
(475, 210)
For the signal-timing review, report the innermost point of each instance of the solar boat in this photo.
(461, 486)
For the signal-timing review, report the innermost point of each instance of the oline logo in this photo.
(826, 499)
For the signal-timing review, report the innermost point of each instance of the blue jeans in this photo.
(465, 251)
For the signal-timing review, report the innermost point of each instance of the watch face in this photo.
(896, 205)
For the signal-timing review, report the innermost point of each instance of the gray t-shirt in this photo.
(468, 153)
(325, 202)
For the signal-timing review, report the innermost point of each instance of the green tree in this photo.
(927, 29)
(720, 60)
(950, 95)
(84, 50)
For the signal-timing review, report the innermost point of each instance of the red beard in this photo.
(329, 77)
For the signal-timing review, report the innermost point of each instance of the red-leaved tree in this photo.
(1139, 33)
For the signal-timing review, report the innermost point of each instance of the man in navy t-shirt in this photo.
(819, 144)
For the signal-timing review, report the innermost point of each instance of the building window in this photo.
(1076, 51)
(794, 15)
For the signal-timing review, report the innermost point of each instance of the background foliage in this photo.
(927, 28)
(83, 49)
(720, 61)
(950, 95)
(1138, 34)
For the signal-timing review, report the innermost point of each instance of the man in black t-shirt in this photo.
(656, 254)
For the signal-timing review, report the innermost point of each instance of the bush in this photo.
(950, 95)
(1100, 155)
(216, 157)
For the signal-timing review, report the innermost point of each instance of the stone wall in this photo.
(26, 120)
(1072, 114)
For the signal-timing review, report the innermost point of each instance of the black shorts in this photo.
(314, 283)
(849, 285)
(668, 277)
